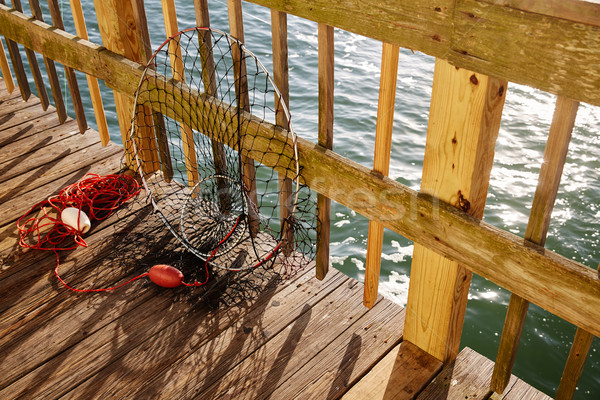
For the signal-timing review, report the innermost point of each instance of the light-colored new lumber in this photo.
(116, 21)
(464, 119)
(326, 85)
(381, 163)
(564, 287)
(551, 170)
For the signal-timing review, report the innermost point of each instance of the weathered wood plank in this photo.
(523, 391)
(94, 88)
(561, 286)
(59, 103)
(4, 92)
(50, 134)
(80, 117)
(17, 63)
(466, 377)
(236, 27)
(403, 373)
(584, 11)
(19, 194)
(326, 86)
(39, 155)
(338, 366)
(30, 126)
(499, 41)
(9, 83)
(574, 366)
(11, 105)
(555, 156)
(29, 300)
(271, 355)
(212, 339)
(381, 162)
(281, 79)
(177, 72)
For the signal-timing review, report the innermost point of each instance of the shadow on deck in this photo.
(300, 338)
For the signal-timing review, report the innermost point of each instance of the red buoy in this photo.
(165, 276)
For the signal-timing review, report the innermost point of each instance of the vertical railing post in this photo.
(92, 82)
(59, 103)
(57, 21)
(34, 67)
(381, 162)
(574, 366)
(17, 62)
(464, 120)
(116, 21)
(5, 69)
(236, 27)
(178, 73)
(326, 85)
(555, 156)
(281, 79)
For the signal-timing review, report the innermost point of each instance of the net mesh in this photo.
(215, 149)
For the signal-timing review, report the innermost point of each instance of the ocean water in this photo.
(519, 152)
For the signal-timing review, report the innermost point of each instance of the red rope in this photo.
(212, 254)
(97, 196)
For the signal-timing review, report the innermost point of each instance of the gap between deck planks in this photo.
(303, 339)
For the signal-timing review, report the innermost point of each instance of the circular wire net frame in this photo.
(214, 146)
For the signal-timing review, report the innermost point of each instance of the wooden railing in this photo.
(480, 46)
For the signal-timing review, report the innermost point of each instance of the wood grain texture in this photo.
(236, 27)
(551, 170)
(468, 378)
(584, 11)
(326, 57)
(281, 79)
(403, 373)
(59, 103)
(94, 88)
(117, 25)
(381, 162)
(5, 69)
(178, 73)
(17, 63)
(464, 119)
(219, 344)
(566, 288)
(575, 362)
(80, 117)
(501, 41)
(34, 67)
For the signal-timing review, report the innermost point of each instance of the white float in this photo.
(71, 215)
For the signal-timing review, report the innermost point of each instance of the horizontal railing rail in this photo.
(505, 39)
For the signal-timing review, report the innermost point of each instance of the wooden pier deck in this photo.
(302, 338)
